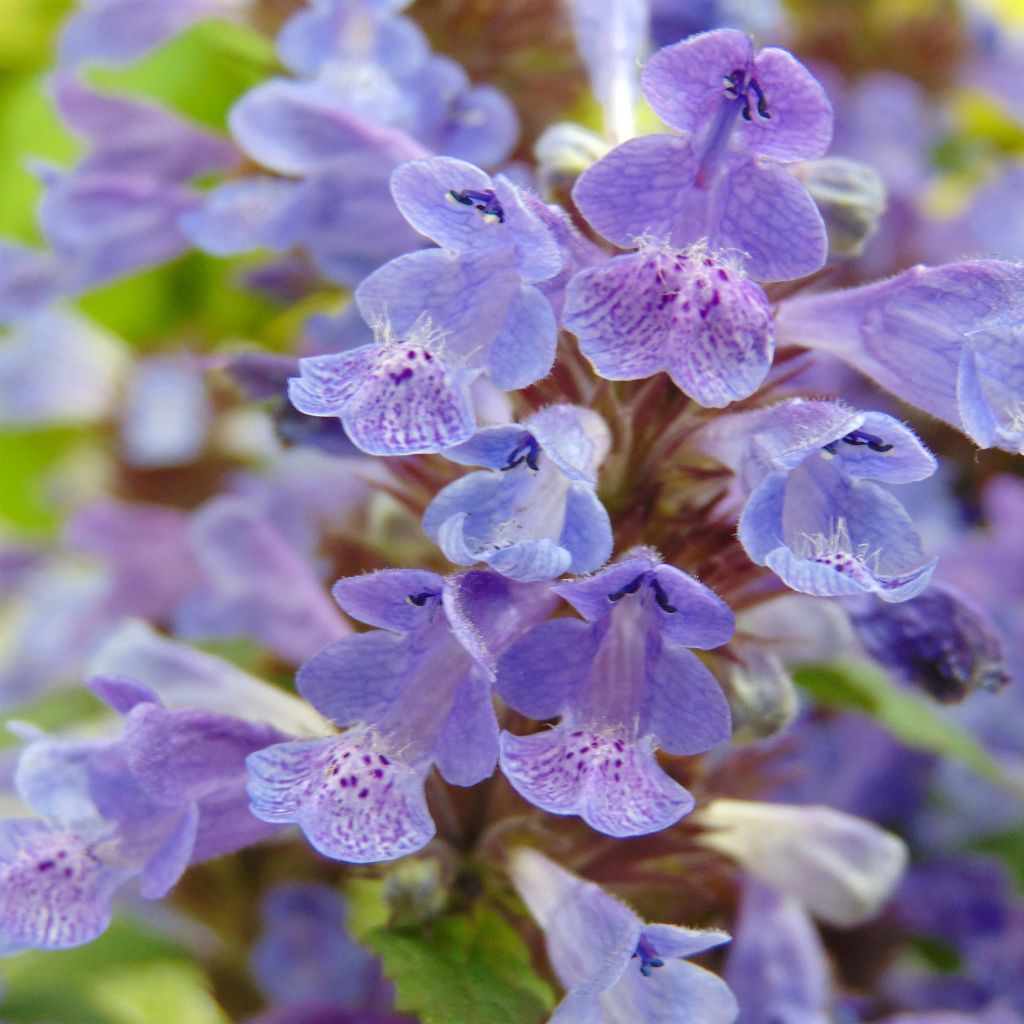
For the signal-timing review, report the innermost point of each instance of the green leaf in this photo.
(858, 686)
(471, 969)
(29, 458)
(156, 993)
(59, 985)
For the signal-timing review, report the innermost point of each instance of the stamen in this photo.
(527, 451)
(486, 202)
(649, 958)
(630, 588)
(738, 85)
(662, 598)
(858, 439)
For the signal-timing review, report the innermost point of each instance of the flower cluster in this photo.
(572, 471)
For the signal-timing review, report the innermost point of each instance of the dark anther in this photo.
(738, 86)
(420, 599)
(762, 101)
(860, 439)
(662, 598)
(527, 451)
(630, 588)
(486, 202)
(649, 958)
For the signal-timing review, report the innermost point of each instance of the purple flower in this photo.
(741, 117)
(398, 396)
(184, 678)
(117, 210)
(167, 793)
(254, 583)
(333, 199)
(624, 684)
(777, 966)
(693, 314)
(416, 692)
(533, 514)
(480, 288)
(946, 339)
(121, 31)
(29, 280)
(939, 641)
(380, 67)
(55, 891)
(305, 956)
(813, 513)
(616, 969)
(145, 550)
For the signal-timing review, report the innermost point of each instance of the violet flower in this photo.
(167, 793)
(814, 514)
(306, 961)
(533, 514)
(416, 692)
(693, 314)
(939, 641)
(480, 288)
(121, 31)
(254, 582)
(946, 339)
(615, 968)
(741, 118)
(117, 210)
(624, 685)
(397, 396)
(777, 966)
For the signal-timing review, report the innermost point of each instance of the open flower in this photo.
(480, 287)
(693, 314)
(814, 514)
(416, 692)
(741, 116)
(616, 969)
(533, 514)
(625, 684)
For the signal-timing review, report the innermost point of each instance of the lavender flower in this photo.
(395, 397)
(534, 514)
(121, 31)
(946, 339)
(480, 288)
(813, 514)
(416, 692)
(624, 684)
(167, 793)
(777, 966)
(694, 314)
(613, 966)
(740, 116)
(117, 210)
(254, 583)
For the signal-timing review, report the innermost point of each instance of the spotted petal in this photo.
(352, 803)
(617, 788)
